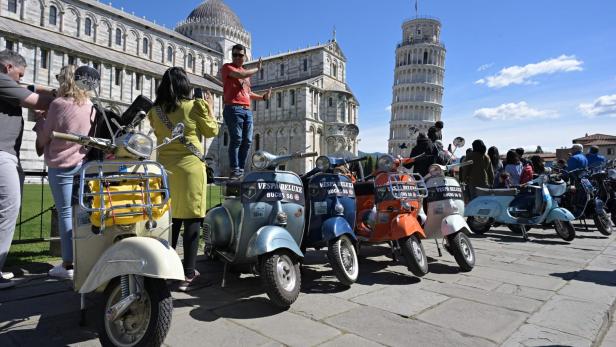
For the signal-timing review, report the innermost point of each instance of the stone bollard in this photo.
(55, 246)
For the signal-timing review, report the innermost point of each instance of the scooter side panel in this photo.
(335, 227)
(489, 206)
(559, 213)
(453, 224)
(142, 256)
(270, 238)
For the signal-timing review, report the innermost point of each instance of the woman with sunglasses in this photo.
(70, 112)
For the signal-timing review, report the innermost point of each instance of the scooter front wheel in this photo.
(413, 252)
(343, 259)
(281, 278)
(462, 250)
(603, 224)
(145, 322)
(565, 229)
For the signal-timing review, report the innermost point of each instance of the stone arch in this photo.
(108, 33)
(160, 45)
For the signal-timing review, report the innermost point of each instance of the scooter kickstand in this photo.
(394, 257)
(224, 275)
(440, 253)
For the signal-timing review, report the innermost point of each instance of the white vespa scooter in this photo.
(121, 233)
(444, 214)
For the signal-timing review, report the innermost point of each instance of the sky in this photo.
(518, 73)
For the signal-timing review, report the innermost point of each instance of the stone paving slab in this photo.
(530, 335)
(525, 292)
(347, 340)
(403, 300)
(490, 322)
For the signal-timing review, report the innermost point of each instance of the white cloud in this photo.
(510, 111)
(604, 105)
(388, 108)
(523, 74)
(485, 67)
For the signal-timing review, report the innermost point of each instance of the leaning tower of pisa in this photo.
(418, 82)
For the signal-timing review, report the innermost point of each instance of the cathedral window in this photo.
(170, 54)
(334, 70)
(138, 81)
(13, 6)
(257, 142)
(118, 37)
(261, 74)
(118, 77)
(425, 58)
(88, 27)
(279, 99)
(146, 46)
(10, 45)
(267, 104)
(53, 15)
(71, 60)
(292, 96)
(331, 102)
(44, 59)
(281, 69)
(305, 64)
(189, 61)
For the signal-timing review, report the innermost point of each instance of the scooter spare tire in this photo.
(145, 323)
(462, 250)
(414, 254)
(479, 225)
(565, 229)
(603, 224)
(343, 259)
(281, 278)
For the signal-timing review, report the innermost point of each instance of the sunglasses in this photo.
(238, 55)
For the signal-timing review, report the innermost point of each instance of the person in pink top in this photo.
(70, 112)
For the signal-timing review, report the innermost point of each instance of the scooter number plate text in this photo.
(444, 193)
(271, 192)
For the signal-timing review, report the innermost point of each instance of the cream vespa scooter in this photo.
(121, 230)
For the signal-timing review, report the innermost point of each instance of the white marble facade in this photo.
(132, 53)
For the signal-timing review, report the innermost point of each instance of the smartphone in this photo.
(198, 93)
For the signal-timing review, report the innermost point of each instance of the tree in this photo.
(368, 166)
(539, 150)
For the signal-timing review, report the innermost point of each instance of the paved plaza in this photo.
(546, 292)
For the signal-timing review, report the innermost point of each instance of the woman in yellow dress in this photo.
(187, 175)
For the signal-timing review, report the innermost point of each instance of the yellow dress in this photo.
(186, 172)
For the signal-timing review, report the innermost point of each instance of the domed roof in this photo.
(215, 11)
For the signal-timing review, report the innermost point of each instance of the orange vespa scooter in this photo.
(388, 206)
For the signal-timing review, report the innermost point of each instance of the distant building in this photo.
(606, 144)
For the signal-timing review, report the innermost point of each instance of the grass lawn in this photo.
(38, 252)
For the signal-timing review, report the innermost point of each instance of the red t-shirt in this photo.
(236, 91)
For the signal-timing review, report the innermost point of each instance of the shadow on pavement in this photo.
(605, 278)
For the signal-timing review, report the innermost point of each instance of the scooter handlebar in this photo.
(65, 136)
(309, 154)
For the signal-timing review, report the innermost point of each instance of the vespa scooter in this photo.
(444, 214)
(388, 207)
(261, 223)
(121, 232)
(330, 203)
(530, 205)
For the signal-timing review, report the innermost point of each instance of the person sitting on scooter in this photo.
(595, 160)
(538, 165)
(187, 176)
(513, 167)
(480, 173)
(430, 156)
(578, 159)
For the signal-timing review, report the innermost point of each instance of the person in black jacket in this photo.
(431, 155)
(435, 132)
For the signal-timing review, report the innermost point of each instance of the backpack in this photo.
(527, 174)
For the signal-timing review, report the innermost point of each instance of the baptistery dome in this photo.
(215, 12)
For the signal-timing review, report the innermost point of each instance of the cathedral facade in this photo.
(311, 103)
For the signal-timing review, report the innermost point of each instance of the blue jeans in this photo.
(61, 183)
(239, 123)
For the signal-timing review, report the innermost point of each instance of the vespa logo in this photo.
(250, 192)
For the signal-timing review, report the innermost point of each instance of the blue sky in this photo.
(518, 73)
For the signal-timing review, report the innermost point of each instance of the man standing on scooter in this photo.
(12, 98)
(595, 160)
(237, 113)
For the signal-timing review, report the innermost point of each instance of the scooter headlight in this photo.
(436, 170)
(385, 163)
(260, 160)
(323, 163)
(139, 145)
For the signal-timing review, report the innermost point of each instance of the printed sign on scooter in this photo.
(332, 186)
(271, 192)
(444, 193)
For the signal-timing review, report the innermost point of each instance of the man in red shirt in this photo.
(237, 113)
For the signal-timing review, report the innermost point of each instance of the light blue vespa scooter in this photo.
(532, 204)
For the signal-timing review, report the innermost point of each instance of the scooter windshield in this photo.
(399, 186)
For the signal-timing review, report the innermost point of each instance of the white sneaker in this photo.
(7, 275)
(59, 271)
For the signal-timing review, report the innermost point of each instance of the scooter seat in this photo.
(364, 188)
(233, 188)
(496, 192)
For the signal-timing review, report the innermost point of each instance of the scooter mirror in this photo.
(87, 78)
(178, 130)
(459, 142)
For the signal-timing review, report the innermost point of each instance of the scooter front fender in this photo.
(270, 238)
(483, 206)
(335, 227)
(559, 213)
(143, 256)
(453, 224)
(405, 225)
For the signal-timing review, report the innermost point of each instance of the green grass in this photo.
(38, 251)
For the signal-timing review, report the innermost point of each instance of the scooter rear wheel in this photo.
(603, 224)
(479, 225)
(281, 278)
(565, 230)
(462, 250)
(343, 259)
(413, 252)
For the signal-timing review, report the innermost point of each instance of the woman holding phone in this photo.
(187, 177)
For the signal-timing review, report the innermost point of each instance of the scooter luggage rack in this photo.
(118, 176)
(417, 191)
